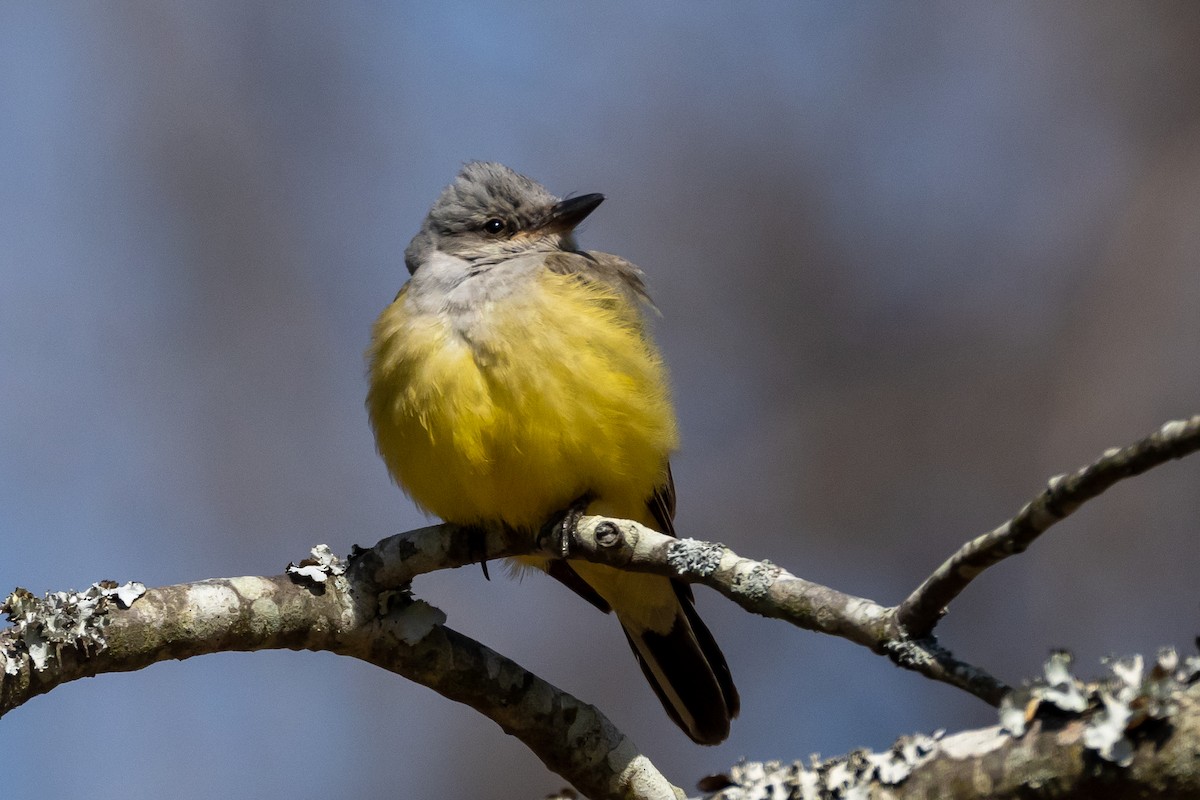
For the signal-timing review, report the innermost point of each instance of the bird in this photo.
(513, 378)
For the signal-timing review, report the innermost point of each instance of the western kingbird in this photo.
(512, 377)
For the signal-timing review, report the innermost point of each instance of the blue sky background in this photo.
(912, 259)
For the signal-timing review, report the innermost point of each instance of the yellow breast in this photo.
(556, 393)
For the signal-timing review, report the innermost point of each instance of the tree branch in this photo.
(758, 586)
(771, 591)
(362, 609)
(1064, 494)
(317, 608)
(1133, 734)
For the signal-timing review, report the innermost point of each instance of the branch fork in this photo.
(362, 608)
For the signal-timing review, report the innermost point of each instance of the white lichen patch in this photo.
(974, 744)
(1112, 709)
(1063, 690)
(42, 627)
(857, 775)
(908, 753)
(318, 567)
(414, 622)
(127, 593)
(1105, 732)
(252, 588)
(264, 615)
(689, 556)
(640, 777)
(211, 600)
(756, 581)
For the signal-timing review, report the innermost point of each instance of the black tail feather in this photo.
(688, 672)
(712, 653)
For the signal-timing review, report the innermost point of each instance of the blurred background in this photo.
(912, 260)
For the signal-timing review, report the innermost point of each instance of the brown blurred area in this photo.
(911, 260)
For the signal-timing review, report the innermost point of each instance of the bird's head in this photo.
(491, 213)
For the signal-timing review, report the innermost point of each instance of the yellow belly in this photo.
(558, 393)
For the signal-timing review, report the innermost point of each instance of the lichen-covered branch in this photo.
(903, 633)
(362, 609)
(319, 607)
(758, 586)
(920, 612)
(1134, 734)
(572, 738)
(768, 589)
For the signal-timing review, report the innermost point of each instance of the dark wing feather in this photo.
(662, 504)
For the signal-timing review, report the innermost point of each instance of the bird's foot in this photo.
(560, 528)
(477, 547)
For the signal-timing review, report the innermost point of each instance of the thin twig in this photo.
(918, 614)
(758, 586)
(771, 591)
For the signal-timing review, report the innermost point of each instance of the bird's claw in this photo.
(476, 546)
(566, 525)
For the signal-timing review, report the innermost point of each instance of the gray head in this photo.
(490, 214)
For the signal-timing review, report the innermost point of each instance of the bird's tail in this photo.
(685, 667)
(674, 648)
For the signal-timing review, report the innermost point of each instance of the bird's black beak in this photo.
(566, 214)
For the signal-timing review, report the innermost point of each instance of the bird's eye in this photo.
(494, 226)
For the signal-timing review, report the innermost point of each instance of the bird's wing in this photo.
(662, 505)
(605, 268)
